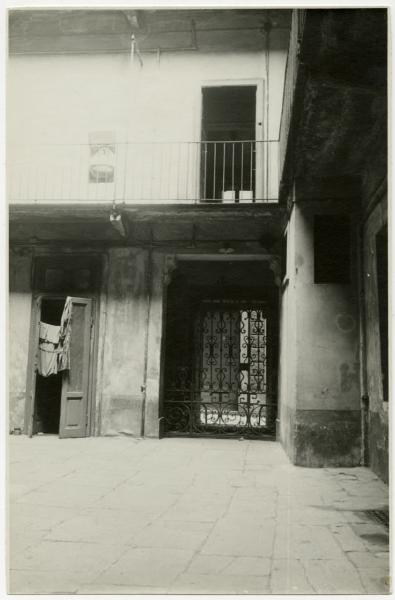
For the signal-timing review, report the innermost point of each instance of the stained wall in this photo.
(320, 404)
(378, 445)
(20, 301)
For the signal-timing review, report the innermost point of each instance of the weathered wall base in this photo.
(327, 438)
(322, 438)
(378, 444)
(320, 417)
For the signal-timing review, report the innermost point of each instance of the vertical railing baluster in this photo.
(242, 165)
(28, 163)
(251, 159)
(57, 180)
(266, 150)
(66, 180)
(178, 170)
(20, 182)
(97, 184)
(36, 177)
(223, 167)
(62, 184)
(19, 172)
(71, 178)
(28, 169)
(84, 161)
(115, 175)
(269, 174)
(83, 173)
(233, 165)
(205, 171)
(23, 173)
(143, 167)
(131, 171)
(45, 179)
(29, 160)
(169, 174)
(29, 174)
(152, 171)
(74, 183)
(72, 173)
(160, 172)
(198, 191)
(188, 148)
(112, 185)
(215, 166)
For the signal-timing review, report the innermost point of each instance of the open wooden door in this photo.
(74, 414)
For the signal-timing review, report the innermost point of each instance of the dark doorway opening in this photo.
(48, 389)
(228, 142)
(221, 350)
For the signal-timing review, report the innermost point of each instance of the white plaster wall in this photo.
(327, 330)
(287, 362)
(18, 335)
(19, 319)
(60, 100)
(154, 345)
(124, 338)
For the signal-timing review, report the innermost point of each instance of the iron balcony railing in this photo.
(143, 172)
(291, 73)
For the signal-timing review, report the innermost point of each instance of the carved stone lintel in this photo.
(171, 264)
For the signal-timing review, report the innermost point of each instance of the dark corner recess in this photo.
(382, 294)
(332, 259)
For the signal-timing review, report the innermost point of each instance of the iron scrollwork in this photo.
(225, 391)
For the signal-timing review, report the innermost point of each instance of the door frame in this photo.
(30, 403)
(273, 316)
(257, 82)
(260, 130)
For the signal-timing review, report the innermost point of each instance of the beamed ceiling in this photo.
(78, 31)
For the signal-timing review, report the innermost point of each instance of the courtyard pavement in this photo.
(121, 516)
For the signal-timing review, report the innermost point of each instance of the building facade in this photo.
(200, 186)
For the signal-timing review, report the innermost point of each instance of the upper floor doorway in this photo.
(232, 148)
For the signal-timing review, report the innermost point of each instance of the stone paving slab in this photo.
(288, 576)
(127, 516)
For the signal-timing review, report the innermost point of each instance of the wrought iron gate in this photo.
(223, 387)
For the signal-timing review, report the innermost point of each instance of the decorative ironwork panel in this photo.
(224, 388)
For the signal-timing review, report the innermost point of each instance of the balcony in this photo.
(212, 172)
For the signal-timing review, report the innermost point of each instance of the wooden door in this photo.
(74, 410)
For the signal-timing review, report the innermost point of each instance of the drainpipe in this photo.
(149, 301)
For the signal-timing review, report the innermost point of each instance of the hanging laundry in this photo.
(48, 349)
(49, 333)
(64, 336)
